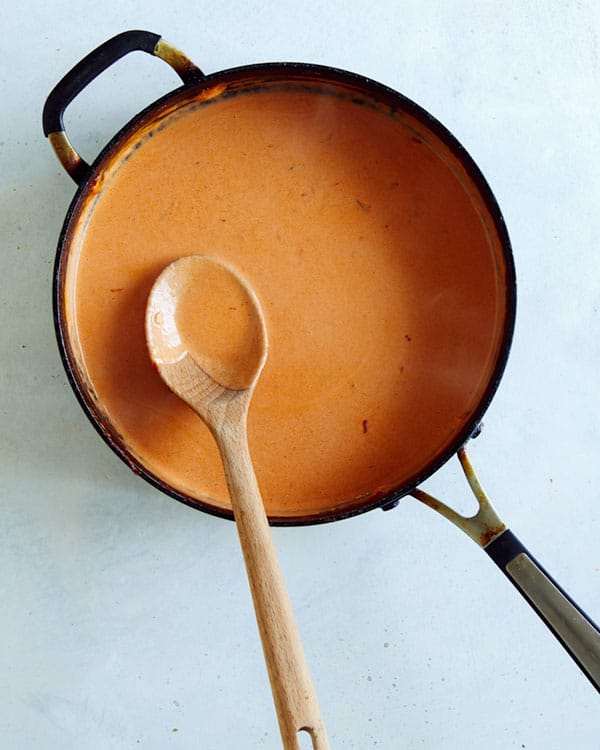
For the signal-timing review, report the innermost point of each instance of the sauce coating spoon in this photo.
(207, 337)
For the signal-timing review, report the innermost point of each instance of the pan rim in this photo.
(316, 73)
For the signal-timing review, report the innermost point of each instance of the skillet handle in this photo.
(89, 68)
(574, 629)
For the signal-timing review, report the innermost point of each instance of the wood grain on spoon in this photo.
(207, 337)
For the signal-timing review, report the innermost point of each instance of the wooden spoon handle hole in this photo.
(306, 741)
(311, 739)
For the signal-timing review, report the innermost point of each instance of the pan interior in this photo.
(376, 260)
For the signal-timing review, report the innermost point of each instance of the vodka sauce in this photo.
(376, 263)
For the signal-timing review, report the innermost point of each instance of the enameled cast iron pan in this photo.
(381, 261)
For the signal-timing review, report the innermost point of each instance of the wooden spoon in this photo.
(207, 337)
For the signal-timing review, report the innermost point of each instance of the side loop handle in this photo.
(89, 68)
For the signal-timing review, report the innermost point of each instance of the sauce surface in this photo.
(376, 264)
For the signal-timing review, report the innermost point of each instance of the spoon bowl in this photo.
(201, 308)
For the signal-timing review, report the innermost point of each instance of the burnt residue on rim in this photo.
(256, 77)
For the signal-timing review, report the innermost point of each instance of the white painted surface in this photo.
(126, 620)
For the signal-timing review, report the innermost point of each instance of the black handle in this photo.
(574, 629)
(89, 68)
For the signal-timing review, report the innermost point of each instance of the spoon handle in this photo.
(293, 691)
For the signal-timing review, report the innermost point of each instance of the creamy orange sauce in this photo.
(377, 268)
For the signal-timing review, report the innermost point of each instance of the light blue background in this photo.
(125, 615)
